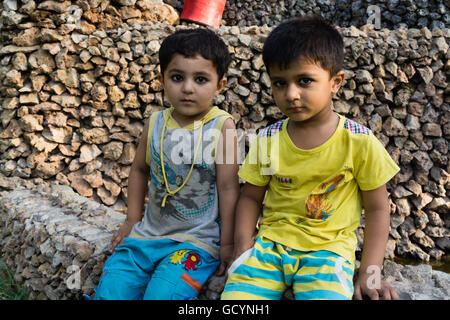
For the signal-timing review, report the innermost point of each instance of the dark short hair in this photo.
(190, 42)
(308, 37)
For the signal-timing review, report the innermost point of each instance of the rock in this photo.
(69, 77)
(42, 61)
(31, 123)
(432, 129)
(13, 78)
(160, 12)
(393, 127)
(10, 5)
(89, 153)
(46, 170)
(59, 7)
(421, 219)
(115, 94)
(113, 150)
(112, 68)
(131, 101)
(57, 134)
(98, 92)
(30, 98)
(11, 18)
(426, 73)
(81, 187)
(128, 154)
(94, 136)
(363, 76)
(422, 200)
(20, 62)
(441, 45)
(126, 2)
(66, 100)
(422, 160)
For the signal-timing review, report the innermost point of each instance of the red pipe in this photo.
(207, 12)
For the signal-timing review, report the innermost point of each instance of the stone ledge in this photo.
(57, 241)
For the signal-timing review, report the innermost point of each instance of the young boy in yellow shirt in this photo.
(319, 169)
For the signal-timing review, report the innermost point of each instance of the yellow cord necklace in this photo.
(172, 192)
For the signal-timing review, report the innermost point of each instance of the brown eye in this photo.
(304, 81)
(176, 78)
(201, 79)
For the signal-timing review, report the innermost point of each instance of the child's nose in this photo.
(293, 92)
(188, 86)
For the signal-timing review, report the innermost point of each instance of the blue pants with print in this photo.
(154, 270)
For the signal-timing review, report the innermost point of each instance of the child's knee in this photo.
(117, 286)
(182, 288)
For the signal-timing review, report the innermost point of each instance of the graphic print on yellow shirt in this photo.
(317, 204)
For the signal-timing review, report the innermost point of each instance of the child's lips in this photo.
(187, 101)
(296, 109)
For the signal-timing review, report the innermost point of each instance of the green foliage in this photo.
(9, 289)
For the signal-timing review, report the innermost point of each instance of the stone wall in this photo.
(74, 96)
(344, 13)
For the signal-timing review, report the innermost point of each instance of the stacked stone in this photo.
(54, 240)
(406, 105)
(85, 15)
(344, 13)
(65, 78)
(73, 102)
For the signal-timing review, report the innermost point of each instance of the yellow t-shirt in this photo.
(313, 197)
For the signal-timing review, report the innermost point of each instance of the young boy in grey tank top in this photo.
(187, 229)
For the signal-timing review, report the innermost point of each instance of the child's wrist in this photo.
(131, 221)
(244, 243)
(228, 244)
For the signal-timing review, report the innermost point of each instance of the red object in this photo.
(191, 261)
(207, 12)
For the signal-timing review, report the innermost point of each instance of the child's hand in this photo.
(232, 253)
(124, 231)
(239, 249)
(226, 258)
(384, 292)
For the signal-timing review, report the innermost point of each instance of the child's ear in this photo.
(160, 78)
(336, 81)
(222, 83)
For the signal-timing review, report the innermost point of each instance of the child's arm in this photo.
(137, 189)
(228, 190)
(377, 214)
(247, 214)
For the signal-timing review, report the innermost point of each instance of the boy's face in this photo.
(303, 90)
(190, 85)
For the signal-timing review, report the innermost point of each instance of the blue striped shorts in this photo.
(269, 268)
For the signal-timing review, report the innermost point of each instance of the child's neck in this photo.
(184, 120)
(314, 132)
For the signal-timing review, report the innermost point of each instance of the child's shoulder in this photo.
(354, 127)
(271, 130)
